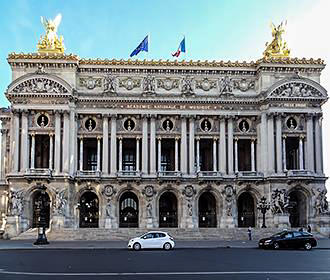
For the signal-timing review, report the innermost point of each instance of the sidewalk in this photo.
(28, 244)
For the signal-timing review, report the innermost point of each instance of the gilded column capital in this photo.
(98, 137)
(105, 116)
(4, 131)
(138, 138)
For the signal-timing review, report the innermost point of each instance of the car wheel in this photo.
(167, 246)
(276, 245)
(137, 246)
(307, 246)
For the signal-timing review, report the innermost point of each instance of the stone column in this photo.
(263, 142)
(33, 144)
(284, 153)
(301, 153)
(183, 148)
(15, 143)
(253, 165)
(279, 160)
(318, 144)
(145, 146)
(192, 145)
(105, 146)
(66, 142)
(51, 149)
(137, 154)
(153, 145)
(176, 154)
(198, 167)
(230, 145)
(310, 144)
(120, 154)
(81, 154)
(98, 166)
(236, 154)
(24, 142)
(57, 159)
(222, 147)
(113, 148)
(73, 143)
(271, 150)
(215, 154)
(159, 154)
(3, 151)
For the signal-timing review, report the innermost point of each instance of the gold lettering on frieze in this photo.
(295, 105)
(168, 106)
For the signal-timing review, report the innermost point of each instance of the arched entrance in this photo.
(207, 212)
(129, 210)
(246, 215)
(38, 197)
(89, 210)
(168, 210)
(297, 209)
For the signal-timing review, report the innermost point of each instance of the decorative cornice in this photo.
(57, 56)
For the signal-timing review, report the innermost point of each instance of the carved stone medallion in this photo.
(108, 191)
(90, 82)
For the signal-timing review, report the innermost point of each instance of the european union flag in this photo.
(142, 47)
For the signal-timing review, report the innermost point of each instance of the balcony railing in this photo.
(248, 174)
(209, 174)
(169, 174)
(39, 171)
(89, 173)
(129, 173)
(298, 172)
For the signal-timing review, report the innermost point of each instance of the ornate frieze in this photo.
(110, 84)
(187, 85)
(90, 82)
(16, 202)
(244, 84)
(226, 85)
(296, 89)
(61, 201)
(149, 84)
(129, 83)
(206, 84)
(40, 85)
(168, 83)
(280, 201)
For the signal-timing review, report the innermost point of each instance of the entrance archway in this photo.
(168, 210)
(207, 212)
(37, 198)
(129, 210)
(89, 210)
(297, 209)
(246, 208)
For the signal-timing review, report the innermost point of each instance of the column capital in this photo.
(270, 115)
(138, 138)
(57, 112)
(229, 117)
(192, 117)
(144, 116)
(183, 116)
(33, 134)
(25, 112)
(215, 138)
(98, 137)
(105, 116)
(284, 136)
(120, 138)
(197, 138)
(176, 138)
(302, 136)
(159, 138)
(51, 134)
(235, 138)
(81, 137)
(153, 116)
(253, 139)
(113, 116)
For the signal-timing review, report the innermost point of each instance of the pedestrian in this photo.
(309, 229)
(250, 233)
(301, 229)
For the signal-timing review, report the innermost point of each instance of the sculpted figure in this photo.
(149, 210)
(60, 202)
(187, 85)
(226, 85)
(277, 47)
(321, 204)
(280, 201)
(15, 204)
(149, 84)
(229, 198)
(108, 209)
(110, 84)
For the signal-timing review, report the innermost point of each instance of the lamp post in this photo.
(41, 223)
(263, 206)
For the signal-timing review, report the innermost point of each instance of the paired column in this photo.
(159, 154)
(253, 165)
(284, 152)
(176, 151)
(279, 159)
(3, 152)
(15, 142)
(222, 146)
(57, 160)
(152, 145)
(215, 154)
(263, 142)
(81, 154)
(33, 144)
(192, 145)
(72, 155)
(66, 142)
(105, 146)
(120, 154)
(270, 134)
(24, 142)
(183, 150)
(113, 146)
(236, 154)
(145, 147)
(318, 144)
(98, 166)
(137, 168)
(198, 167)
(301, 153)
(230, 145)
(51, 149)
(310, 144)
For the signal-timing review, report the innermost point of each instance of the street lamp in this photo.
(41, 223)
(263, 206)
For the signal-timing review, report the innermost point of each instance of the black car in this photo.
(289, 239)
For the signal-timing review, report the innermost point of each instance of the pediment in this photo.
(298, 87)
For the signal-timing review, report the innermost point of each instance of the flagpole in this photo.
(149, 44)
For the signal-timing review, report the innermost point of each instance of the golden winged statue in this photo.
(277, 48)
(51, 43)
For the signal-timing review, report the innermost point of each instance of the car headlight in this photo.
(268, 241)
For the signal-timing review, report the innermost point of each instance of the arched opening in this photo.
(297, 209)
(129, 210)
(40, 202)
(246, 214)
(168, 210)
(207, 212)
(89, 210)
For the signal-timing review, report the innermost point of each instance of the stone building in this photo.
(148, 144)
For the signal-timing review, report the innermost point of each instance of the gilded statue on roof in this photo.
(51, 43)
(277, 48)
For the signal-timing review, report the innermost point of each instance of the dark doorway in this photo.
(37, 201)
(207, 210)
(89, 210)
(292, 153)
(129, 210)
(297, 209)
(129, 155)
(246, 216)
(90, 154)
(206, 154)
(41, 151)
(167, 160)
(244, 155)
(168, 210)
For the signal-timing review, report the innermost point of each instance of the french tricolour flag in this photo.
(182, 48)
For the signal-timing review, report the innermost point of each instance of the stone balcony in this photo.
(88, 173)
(169, 175)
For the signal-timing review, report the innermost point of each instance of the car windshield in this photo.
(279, 234)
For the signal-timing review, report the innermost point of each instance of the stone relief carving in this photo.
(279, 201)
(296, 89)
(321, 204)
(40, 85)
(187, 85)
(244, 84)
(188, 193)
(149, 192)
(149, 84)
(230, 194)
(16, 202)
(108, 191)
(149, 210)
(90, 82)
(60, 202)
(226, 85)
(108, 209)
(206, 84)
(168, 84)
(129, 83)
(110, 84)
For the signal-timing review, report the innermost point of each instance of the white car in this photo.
(152, 239)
